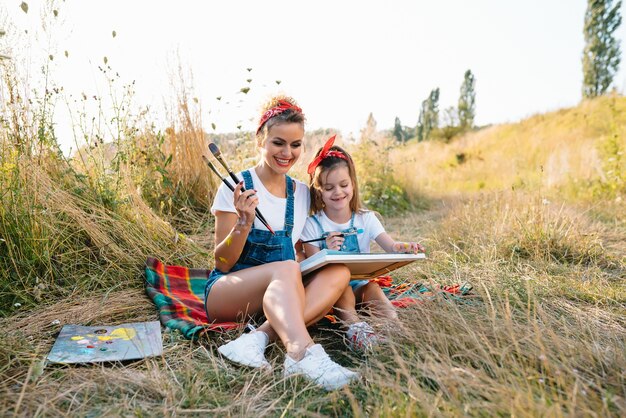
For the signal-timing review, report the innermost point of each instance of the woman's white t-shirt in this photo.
(272, 207)
(367, 221)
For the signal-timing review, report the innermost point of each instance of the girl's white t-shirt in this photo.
(272, 207)
(371, 225)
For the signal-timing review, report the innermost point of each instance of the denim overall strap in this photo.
(318, 224)
(247, 179)
(289, 209)
(323, 233)
(351, 242)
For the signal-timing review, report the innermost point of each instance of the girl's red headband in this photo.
(282, 106)
(325, 153)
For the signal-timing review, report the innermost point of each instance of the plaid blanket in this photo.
(178, 293)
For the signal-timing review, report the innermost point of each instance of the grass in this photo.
(547, 338)
(544, 248)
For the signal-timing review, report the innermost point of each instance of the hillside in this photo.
(571, 150)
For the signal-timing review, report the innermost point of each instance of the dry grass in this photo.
(563, 149)
(547, 338)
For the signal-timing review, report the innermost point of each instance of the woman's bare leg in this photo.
(274, 288)
(321, 292)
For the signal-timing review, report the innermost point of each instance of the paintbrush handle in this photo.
(229, 171)
(232, 189)
(217, 155)
(217, 173)
(343, 234)
(324, 238)
(243, 189)
(314, 240)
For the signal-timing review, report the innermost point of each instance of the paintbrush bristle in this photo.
(214, 149)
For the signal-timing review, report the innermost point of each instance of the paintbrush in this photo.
(230, 186)
(345, 234)
(224, 179)
(218, 155)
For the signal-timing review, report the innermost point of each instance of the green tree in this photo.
(429, 116)
(601, 56)
(467, 102)
(398, 131)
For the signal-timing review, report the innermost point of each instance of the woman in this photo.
(256, 271)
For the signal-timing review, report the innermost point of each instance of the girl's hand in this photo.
(334, 241)
(245, 203)
(299, 248)
(408, 247)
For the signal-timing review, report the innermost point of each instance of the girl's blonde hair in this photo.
(326, 166)
(291, 115)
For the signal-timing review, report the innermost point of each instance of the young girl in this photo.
(255, 270)
(335, 210)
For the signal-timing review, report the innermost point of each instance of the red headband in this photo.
(276, 110)
(325, 153)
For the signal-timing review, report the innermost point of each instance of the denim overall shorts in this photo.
(262, 247)
(350, 245)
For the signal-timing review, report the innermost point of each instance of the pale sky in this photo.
(340, 60)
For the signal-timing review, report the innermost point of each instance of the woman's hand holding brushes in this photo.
(215, 150)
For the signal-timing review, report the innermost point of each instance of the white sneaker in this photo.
(361, 337)
(247, 350)
(318, 367)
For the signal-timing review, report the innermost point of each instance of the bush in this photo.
(378, 187)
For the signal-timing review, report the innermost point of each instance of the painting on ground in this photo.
(83, 344)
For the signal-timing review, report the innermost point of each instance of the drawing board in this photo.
(361, 265)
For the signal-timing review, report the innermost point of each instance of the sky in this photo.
(340, 60)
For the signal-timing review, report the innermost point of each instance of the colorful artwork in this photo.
(80, 344)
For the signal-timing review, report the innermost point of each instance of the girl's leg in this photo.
(323, 290)
(274, 288)
(372, 297)
(345, 307)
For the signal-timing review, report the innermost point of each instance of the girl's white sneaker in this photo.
(361, 337)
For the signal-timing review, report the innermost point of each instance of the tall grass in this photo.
(72, 226)
(545, 338)
(538, 230)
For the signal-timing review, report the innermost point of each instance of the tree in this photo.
(467, 101)
(368, 133)
(429, 116)
(398, 131)
(601, 56)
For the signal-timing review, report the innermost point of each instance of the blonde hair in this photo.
(288, 116)
(327, 165)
